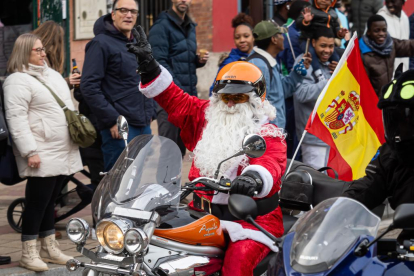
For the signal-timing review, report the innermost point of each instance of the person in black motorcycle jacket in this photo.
(390, 174)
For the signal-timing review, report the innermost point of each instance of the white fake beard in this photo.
(226, 127)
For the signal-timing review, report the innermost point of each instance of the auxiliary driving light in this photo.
(77, 230)
(136, 241)
(111, 232)
(73, 264)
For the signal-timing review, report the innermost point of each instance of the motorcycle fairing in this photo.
(326, 233)
(349, 264)
(146, 177)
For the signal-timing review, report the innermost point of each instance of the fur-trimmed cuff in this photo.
(266, 178)
(156, 87)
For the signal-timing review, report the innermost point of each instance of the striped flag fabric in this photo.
(347, 118)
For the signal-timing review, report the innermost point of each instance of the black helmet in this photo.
(397, 104)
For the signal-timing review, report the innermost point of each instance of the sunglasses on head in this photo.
(236, 98)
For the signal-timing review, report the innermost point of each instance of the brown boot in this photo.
(50, 252)
(30, 257)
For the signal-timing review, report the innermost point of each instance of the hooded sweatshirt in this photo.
(110, 81)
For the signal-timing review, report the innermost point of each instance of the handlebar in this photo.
(222, 185)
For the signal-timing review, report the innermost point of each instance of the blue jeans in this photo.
(112, 148)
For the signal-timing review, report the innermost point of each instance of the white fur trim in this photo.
(221, 198)
(159, 85)
(238, 233)
(266, 178)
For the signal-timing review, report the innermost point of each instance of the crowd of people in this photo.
(268, 84)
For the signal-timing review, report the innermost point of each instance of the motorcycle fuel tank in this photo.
(205, 231)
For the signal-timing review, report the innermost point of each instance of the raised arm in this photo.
(184, 111)
(160, 43)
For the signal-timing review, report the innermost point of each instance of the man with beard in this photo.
(390, 174)
(214, 130)
(173, 39)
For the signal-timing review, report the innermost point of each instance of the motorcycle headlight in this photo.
(77, 230)
(111, 232)
(136, 241)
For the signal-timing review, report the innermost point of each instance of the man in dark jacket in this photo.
(174, 45)
(110, 83)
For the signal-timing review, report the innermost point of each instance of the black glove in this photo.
(149, 68)
(247, 184)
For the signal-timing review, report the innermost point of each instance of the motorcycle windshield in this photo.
(146, 178)
(326, 232)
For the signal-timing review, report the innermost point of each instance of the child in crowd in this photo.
(320, 15)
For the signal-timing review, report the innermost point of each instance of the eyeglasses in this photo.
(236, 98)
(125, 11)
(39, 50)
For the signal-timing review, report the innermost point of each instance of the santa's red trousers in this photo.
(239, 259)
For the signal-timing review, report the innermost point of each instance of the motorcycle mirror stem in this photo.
(270, 236)
(218, 167)
(245, 208)
(363, 247)
(123, 130)
(253, 146)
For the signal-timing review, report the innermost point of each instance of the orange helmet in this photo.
(240, 77)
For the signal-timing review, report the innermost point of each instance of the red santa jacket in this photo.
(188, 113)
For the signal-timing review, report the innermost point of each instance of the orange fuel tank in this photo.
(205, 231)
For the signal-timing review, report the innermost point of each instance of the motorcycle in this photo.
(337, 237)
(141, 226)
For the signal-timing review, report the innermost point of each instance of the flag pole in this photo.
(294, 155)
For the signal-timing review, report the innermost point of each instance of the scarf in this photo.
(384, 49)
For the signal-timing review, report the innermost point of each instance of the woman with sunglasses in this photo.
(42, 145)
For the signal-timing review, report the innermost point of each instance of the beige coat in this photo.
(38, 124)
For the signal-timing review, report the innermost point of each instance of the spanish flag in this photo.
(347, 118)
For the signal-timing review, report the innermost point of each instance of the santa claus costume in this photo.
(214, 131)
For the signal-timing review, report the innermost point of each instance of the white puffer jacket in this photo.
(38, 124)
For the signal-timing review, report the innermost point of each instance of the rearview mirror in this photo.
(123, 128)
(242, 206)
(254, 145)
(404, 216)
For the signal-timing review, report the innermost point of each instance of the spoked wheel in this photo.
(15, 214)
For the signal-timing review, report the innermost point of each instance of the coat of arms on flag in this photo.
(342, 114)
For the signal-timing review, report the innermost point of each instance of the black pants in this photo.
(166, 129)
(38, 215)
